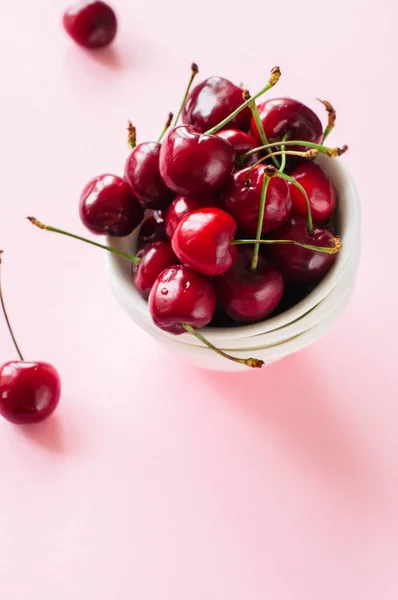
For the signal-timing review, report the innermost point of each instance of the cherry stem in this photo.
(40, 225)
(166, 126)
(254, 363)
(132, 135)
(259, 124)
(337, 245)
(194, 72)
(310, 224)
(274, 78)
(331, 118)
(6, 317)
(256, 248)
(311, 153)
(332, 152)
(283, 161)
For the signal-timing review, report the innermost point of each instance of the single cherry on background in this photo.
(154, 258)
(241, 142)
(29, 390)
(202, 241)
(108, 207)
(242, 196)
(249, 296)
(91, 23)
(320, 191)
(182, 206)
(153, 228)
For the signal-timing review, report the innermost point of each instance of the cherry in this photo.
(320, 191)
(297, 264)
(202, 241)
(29, 391)
(153, 228)
(280, 116)
(192, 163)
(249, 296)
(143, 176)
(242, 196)
(212, 101)
(153, 259)
(91, 24)
(182, 206)
(107, 206)
(242, 142)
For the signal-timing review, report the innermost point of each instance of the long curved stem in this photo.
(337, 245)
(263, 199)
(332, 152)
(6, 317)
(256, 116)
(194, 72)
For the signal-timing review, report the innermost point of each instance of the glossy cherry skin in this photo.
(242, 197)
(320, 191)
(299, 265)
(211, 102)
(142, 174)
(108, 207)
(194, 164)
(180, 295)
(182, 206)
(241, 142)
(29, 391)
(285, 115)
(155, 258)
(202, 241)
(249, 296)
(91, 24)
(153, 229)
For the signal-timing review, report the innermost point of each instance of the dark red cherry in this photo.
(107, 206)
(242, 142)
(212, 101)
(202, 241)
(29, 391)
(249, 296)
(180, 295)
(242, 196)
(299, 265)
(153, 228)
(320, 191)
(194, 164)
(154, 258)
(142, 174)
(285, 115)
(91, 24)
(182, 206)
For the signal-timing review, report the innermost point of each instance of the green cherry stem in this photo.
(274, 78)
(263, 199)
(337, 245)
(332, 152)
(40, 225)
(132, 135)
(331, 118)
(254, 363)
(311, 153)
(194, 72)
(259, 125)
(6, 317)
(283, 160)
(166, 126)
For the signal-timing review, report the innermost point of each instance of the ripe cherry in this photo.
(153, 229)
(320, 191)
(153, 259)
(202, 241)
(142, 174)
(192, 163)
(242, 196)
(242, 142)
(29, 391)
(182, 206)
(212, 101)
(249, 296)
(91, 24)
(107, 206)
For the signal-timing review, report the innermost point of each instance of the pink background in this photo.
(157, 482)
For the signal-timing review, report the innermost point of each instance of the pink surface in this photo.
(157, 482)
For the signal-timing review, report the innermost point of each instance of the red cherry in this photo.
(91, 24)
(192, 163)
(29, 391)
(241, 142)
(284, 115)
(182, 206)
(212, 101)
(202, 241)
(107, 206)
(300, 265)
(142, 174)
(320, 191)
(154, 258)
(181, 296)
(153, 228)
(242, 196)
(249, 296)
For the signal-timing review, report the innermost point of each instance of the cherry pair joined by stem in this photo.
(91, 24)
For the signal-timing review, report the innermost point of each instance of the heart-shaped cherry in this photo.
(91, 24)
(249, 296)
(202, 241)
(142, 174)
(153, 259)
(107, 206)
(242, 196)
(153, 229)
(241, 142)
(212, 101)
(320, 191)
(182, 206)
(192, 163)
